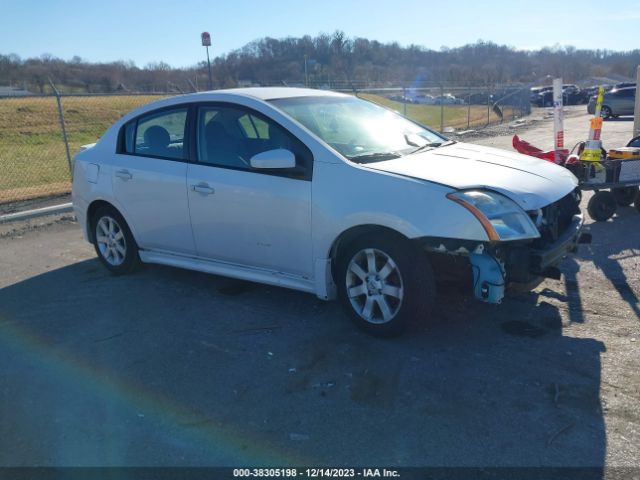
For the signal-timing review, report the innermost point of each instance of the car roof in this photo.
(272, 93)
(231, 95)
(623, 89)
(226, 95)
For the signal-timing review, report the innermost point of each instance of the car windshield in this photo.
(360, 130)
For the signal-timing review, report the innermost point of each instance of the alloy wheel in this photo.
(111, 241)
(374, 286)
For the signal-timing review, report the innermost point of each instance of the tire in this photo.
(373, 264)
(602, 206)
(625, 196)
(113, 241)
(605, 112)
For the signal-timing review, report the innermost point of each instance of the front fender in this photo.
(345, 196)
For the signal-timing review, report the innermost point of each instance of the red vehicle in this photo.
(526, 148)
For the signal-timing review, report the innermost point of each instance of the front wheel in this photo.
(605, 112)
(113, 241)
(385, 283)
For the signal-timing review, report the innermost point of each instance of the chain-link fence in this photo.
(39, 134)
(35, 135)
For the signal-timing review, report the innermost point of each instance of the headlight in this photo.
(500, 216)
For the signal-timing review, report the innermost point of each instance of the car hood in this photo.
(530, 182)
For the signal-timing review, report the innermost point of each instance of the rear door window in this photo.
(158, 134)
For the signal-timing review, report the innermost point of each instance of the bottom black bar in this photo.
(405, 473)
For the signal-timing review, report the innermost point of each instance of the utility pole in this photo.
(62, 125)
(558, 119)
(306, 75)
(206, 42)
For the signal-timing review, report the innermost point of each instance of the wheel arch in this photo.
(351, 234)
(93, 208)
(604, 105)
(415, 290)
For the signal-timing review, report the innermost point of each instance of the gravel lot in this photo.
(170, 367)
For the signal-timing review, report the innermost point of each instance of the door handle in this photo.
(203, 188)
(124, 174)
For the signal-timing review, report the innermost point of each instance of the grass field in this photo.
(33, 161)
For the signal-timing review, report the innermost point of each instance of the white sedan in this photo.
(320, 192)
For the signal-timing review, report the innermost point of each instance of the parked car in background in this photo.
(617, 102)
(447, 99)
(536, 91)
(424, 99)
(571, 95)
(593, 90)
(403, 98)
(324, 193)
(543, 99)
(479, 98)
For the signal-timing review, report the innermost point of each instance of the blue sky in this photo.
(160, 30)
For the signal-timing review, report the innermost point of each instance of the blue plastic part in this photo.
(488, 277)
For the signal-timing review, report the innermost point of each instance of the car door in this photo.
(251, 217)
(616, 102)
(628, 101)
(149, 180)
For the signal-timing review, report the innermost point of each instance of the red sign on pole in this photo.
(206, 39)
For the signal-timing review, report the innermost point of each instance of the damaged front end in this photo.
(497, 264)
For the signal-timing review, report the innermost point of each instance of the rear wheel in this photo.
(384, 283)
(605, 112)
(113, 241)
(602, 206)
(625, 196)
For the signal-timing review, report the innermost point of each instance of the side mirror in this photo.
(278, 158)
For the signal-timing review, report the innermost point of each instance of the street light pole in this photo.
(209, 69)
(206, 42)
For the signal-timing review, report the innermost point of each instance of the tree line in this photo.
(327, 60)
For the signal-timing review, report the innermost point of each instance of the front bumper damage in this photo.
(496, 265)
(525, 262)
